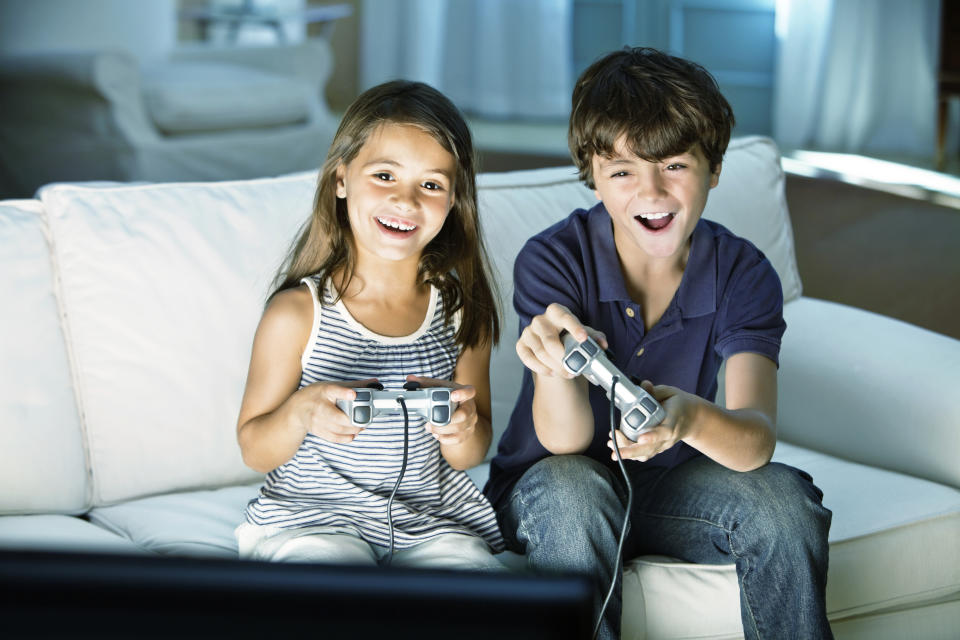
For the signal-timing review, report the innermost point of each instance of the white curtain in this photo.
(494, 58)
(857, 76)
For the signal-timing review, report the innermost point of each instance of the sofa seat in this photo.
(54, 532)
(889, 535)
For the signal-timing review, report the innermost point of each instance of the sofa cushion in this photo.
(516, 205)
(162, 288)
(60, 533)
(188, 97)
(38, 415)
(193, 523)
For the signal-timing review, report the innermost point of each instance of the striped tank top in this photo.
(346, 486)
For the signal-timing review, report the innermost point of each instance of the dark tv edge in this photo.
(50, 593)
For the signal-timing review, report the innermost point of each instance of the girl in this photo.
(387, 282)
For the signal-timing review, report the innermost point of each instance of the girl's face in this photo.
(398, 190)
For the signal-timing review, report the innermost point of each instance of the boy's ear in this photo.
(341, 181)
(715, 176)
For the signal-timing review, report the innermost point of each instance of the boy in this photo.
(672, 297)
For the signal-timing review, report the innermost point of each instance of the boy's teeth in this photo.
(396, 225)
(654, 216)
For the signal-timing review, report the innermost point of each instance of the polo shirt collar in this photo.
(698, 289)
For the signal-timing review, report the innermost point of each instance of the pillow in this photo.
(190, 97)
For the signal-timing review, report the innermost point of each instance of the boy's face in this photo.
(654, 205)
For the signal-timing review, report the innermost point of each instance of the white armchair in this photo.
(200, 114)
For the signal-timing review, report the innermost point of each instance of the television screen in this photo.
(69, 595)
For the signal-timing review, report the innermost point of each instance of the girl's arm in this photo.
(464, 442)
(741, 436)
(274, 415)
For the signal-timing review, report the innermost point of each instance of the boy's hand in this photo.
(680, 407)
(463, 422)
(540, 347)
(320, 415)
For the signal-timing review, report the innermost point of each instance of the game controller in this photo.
(433, 403)
(639, 410)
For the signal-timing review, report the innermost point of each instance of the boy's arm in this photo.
(562, 416)
(741, 436)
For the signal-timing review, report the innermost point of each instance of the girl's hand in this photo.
(319, 414)
(680, 407)
(463, 422)
(540, 347)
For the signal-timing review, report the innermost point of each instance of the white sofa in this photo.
(128, 314)
(199, 113)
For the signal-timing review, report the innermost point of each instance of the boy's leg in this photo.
(449, 551)
(770, 522)
(322, 545)
(565, 514)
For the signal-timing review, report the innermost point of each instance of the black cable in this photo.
(626, 516)
(403, 469)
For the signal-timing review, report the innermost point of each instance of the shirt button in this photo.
(630, 312)
(640, 353)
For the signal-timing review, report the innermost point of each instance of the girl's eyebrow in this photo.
(394, 163)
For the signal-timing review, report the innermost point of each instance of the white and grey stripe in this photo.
(348, 485)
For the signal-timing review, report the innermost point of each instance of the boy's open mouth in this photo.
(655, 221)
(396, 226)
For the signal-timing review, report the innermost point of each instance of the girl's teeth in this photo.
(396, 225)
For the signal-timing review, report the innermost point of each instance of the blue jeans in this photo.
(566, 512)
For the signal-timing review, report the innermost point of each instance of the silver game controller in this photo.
(639, 410)
(433, 403)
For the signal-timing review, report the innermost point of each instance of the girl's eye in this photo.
(432, 186)
(382, 175)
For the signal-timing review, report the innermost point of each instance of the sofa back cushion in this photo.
(162, 289)
(42, 465)
(749, 200)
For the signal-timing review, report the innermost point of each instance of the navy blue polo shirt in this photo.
(729, 301)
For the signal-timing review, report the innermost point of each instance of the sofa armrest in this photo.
(70, 116)
(870, 389)
(310, 60)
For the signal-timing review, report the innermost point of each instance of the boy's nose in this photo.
(650, 183)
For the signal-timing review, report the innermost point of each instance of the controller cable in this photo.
(403, 469)
(626, 516)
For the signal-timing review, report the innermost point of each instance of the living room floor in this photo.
(875, 234)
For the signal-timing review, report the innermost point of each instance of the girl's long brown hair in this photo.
(455, 261)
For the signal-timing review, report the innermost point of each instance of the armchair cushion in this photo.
(189, 97)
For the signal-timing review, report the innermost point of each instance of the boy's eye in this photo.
(618, 174)
(675, 166)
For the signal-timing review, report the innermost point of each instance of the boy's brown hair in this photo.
(663, 104)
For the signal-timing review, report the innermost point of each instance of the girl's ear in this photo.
(341, 181)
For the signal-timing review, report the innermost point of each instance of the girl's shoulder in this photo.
(290, 310)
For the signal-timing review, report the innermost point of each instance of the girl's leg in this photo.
(449, 551)
(310, 544)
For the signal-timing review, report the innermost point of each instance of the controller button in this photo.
(649, 405)
(375, 385)
(441, 415)
(363, 396)
(635, 418)
(361, 415)
(590, 347)
(441, 395)
(411, 385)
(575, 361)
